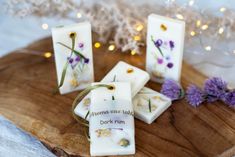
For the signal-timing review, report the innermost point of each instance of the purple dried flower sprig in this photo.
(172, 90)
(214, 89)
(195, 96)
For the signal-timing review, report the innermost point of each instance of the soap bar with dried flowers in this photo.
(111, 125)
(149, 105)
(122, 72)
(165, 44)
(73, 56)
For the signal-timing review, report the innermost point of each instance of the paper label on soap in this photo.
(111, 120)
(112, 114)
(112, 124)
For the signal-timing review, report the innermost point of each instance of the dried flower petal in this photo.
(159, 60)
(172, 44)
(215, 89)
(195, 96)
(158, 43)
(170, 65)
(230, 98)
(124, 142)
(86, 60)
(172, 89)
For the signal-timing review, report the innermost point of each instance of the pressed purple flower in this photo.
(195, 96)
(70, 60)
(80, 45)
(172, 44)
(159, 60)
(158, 43)
(215, 89)
(77, 59)
(172, 89)
(229, 98)
(170, 65)
(86, 60)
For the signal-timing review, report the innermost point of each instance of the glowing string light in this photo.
(221, 30)
(111, 47)
(179, 16)
(222, 9)
(137, 38)
(133, 52)
(191, 2)
(45, 26)
(97, 45)
(79, 15)
(204, 27)
(47, 54)
(192, 33)
(198, 23)
(139, 27)
(208, 48)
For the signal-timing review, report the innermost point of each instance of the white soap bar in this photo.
(111, 125)
(122, 72)
(79, 73)
(165, 45)
(149, 105)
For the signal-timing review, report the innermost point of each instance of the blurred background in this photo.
(209, 38)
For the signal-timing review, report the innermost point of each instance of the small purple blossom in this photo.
(229, 98)
(158, 43)
(172, 44)
(77, 59)
(80, 45)
(86, 60)
(215, 89)
(170, 65)
(70, 60)
(159, 60)
(172, 89)
(195, 96)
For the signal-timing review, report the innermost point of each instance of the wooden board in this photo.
(26, 83)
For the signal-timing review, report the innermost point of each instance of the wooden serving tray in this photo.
(27, 81)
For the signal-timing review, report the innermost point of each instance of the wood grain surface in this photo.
(26, 83)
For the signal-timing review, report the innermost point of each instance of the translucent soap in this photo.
(111, 125)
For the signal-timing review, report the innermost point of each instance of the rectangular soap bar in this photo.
(79, 66)
(122, 72)
(111, 125)
(165, 45)
(149, 105)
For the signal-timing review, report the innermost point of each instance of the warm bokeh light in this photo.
(139, 27)
(204, 27)
(179, 16)
(222, 9)
(221, 30)
(79, 15)
(208, 48)
(192, 33)
(47, 54)
(45, 26)
(137, 38)
(111, 47)
(133, 52)
(97, 45)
